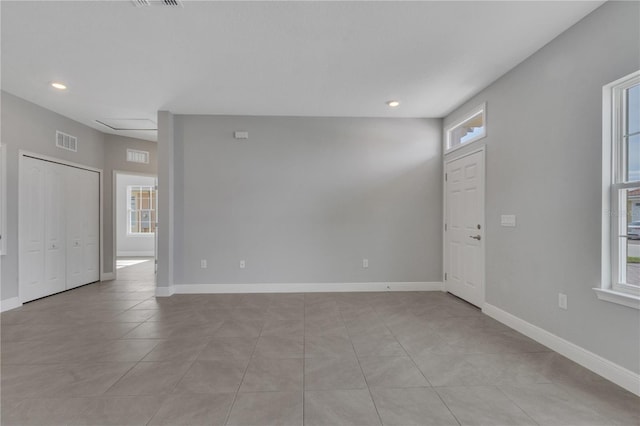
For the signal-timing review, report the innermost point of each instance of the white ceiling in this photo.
(322, 58)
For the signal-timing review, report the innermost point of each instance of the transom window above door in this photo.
(470, 129)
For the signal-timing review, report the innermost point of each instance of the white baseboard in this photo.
(619, 375)
(297, 288)
(107, 276)
(306, 287)
(144, 253)
(8, 304)
(165, 291)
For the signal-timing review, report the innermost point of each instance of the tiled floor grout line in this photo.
(373, 401)
(186, 370)
(235, 397)
(445, 404)
(127, 372)
(409, 355)
(304, 349)
(516, 404)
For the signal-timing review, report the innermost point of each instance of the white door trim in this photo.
(22, 154)
(446, 160)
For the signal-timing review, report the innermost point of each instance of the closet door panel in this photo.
(91, 231)
(55, 238)
(31, 230)
(83, 227)
(74, 220)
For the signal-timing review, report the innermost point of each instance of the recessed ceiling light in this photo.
(58, 86)
(393, 104)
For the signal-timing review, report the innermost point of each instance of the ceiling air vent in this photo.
(65, 141)
(135, 156)
(170, 3)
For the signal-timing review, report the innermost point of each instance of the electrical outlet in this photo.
(203, 263)
(242, 264)
(562, 301)
(365, 263)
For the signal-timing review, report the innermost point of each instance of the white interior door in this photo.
(59, 228)
(75, 219)
(41, 242)
(91, 226)
(464, 227)
(54, 229)
(82, 204)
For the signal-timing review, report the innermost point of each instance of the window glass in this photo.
(621, 192)
(632, 133)
(142, 215)
(469, 130)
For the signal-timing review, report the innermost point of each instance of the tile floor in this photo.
(111, 353)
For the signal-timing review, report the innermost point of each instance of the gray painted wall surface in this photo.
(26, 126)
(544, 151)
(115, 158)
(167, 219)
(304, 200)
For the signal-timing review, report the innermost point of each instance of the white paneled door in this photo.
(82, 226)
(39, 244)
(464, 227)
(58, 227)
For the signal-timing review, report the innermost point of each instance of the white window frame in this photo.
(3, 199)
(613, 208)
(479, 110)
(129, 210)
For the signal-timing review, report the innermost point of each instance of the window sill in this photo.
(625, 299)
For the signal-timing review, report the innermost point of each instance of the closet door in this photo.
(83, 222)
(91, 226)
(41, 229)
(74, 219)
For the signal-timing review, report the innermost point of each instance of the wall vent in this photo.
(170, 3)
(135, 156)
(65, 141)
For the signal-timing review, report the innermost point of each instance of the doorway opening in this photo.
(135, 211)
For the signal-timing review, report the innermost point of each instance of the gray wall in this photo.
(26, 126)
(115, 158)
(131, 245)
(304, 200)
(544, 152)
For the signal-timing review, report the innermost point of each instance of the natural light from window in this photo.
(471, 129)
(141, 210)
(621, 192)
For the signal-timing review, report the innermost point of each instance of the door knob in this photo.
(475, 237)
